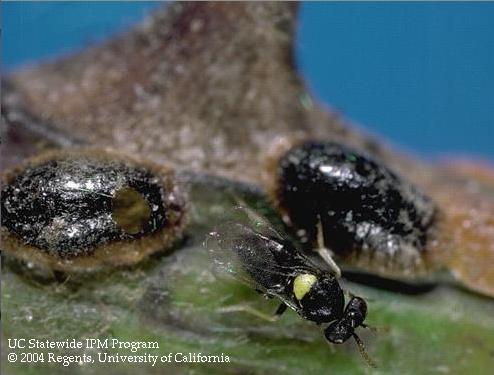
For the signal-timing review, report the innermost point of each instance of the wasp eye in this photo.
(361, 204)
(357, 305)
(80, 210)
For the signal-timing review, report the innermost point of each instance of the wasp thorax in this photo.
(80, 210)
(364, 207)
(321, 298)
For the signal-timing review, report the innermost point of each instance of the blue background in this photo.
(420, 74)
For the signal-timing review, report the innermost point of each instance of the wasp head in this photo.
(354, 315)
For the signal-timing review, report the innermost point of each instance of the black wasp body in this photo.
(260, 257)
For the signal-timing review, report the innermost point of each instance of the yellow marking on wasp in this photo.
(302, 284)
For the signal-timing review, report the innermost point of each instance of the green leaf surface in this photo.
(176, 300)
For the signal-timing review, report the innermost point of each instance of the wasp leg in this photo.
(280, 310)
(348, 295)
(324, 252)
(331, 346)
(60, 277)
(249, 310)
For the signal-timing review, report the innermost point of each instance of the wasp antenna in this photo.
(363, 352)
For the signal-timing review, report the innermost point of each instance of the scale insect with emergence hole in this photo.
(86, 209)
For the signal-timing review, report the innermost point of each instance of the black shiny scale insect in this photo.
(79, 194)
(363, 207)
(83, 210)
(257, 255)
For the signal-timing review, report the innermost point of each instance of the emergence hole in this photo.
(130, 210)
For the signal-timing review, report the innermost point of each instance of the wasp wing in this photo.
(220, 245)
(252, 219)
(258, 260)
(260, 227)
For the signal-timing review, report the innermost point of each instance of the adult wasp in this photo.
(257, 255)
